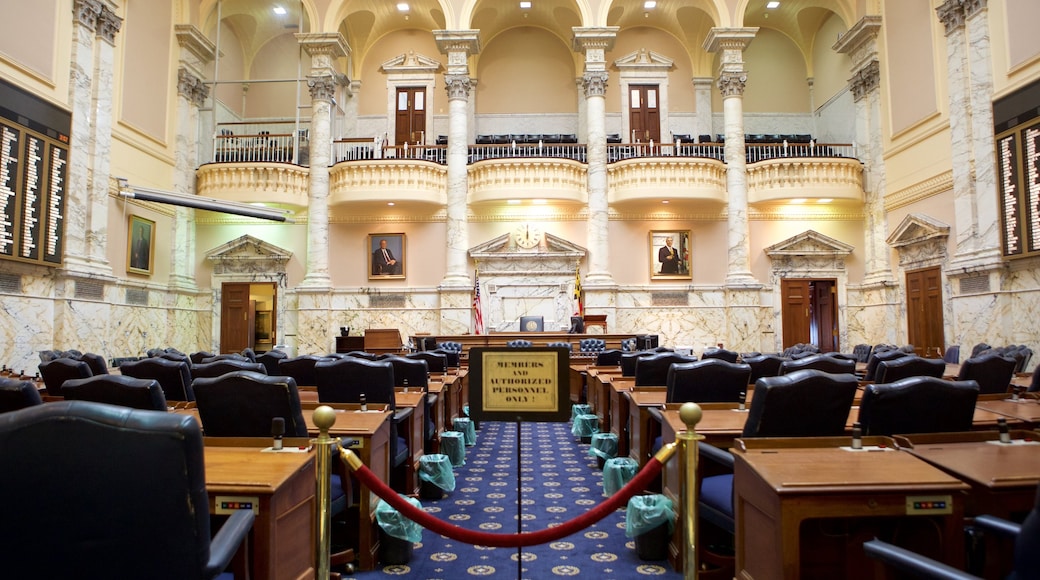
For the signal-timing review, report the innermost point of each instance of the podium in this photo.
(597, 321)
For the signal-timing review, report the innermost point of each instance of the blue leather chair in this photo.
(16, 394)
(244, 403)
(116, 390)
(890, 371)
(57, 371)
(519, 343)
(174, 376)
(918, 405)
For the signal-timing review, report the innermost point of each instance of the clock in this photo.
(527, 236)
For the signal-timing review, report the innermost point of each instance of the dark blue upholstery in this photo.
(132, 489)
(764, 365)
(270, 360)
(116, 390)
(653, 369)
(243, 403)
(57, 371)
(708, 380)
(609, 358)
(224, 366)
(451, 357)
(300, 368)
(993, 372)
(519, 343)
(436, 362)
(861, 352)
(890, 371)
(820, 362)
(592, 345)
(918, 405)
(953, 354)
(565, 345)
(16, 394)
(174, 376)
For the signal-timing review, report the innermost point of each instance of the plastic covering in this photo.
(465, 426)
(394, 524)
(646, 512)
(453, 444)
(604, 445)
(579, 409)
(436, 469)
(617, 472)
(585, 425)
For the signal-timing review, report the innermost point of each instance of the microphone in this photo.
(277, 430)
(857, 436)
(1002, 427)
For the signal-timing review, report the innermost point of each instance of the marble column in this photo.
(322, 82)
(702, 102)
(595, 42)
(983, 147)
(732, 78)
(108, 24)
(81, 82)
(458, 45)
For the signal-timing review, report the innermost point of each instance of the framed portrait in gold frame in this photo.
(670, 255)
(386, 258)
(140, 241)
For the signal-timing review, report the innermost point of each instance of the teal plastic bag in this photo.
(394, 524)
(646, 512)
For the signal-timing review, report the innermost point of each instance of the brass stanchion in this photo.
(324, 418)
(690, 413)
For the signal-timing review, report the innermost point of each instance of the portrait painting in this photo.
(670, 255)
(386, 256)
(139, 243)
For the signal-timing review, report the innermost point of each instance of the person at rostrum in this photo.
(669, 258)
(383, 261)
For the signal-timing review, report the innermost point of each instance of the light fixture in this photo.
(665, 201)
(524, 5)
(773, 4)
(824, 200)
(650, 4)
(513, 201)
(403, 7)
(798, 200)
(390, 203)
(207, 203)
(280, 11)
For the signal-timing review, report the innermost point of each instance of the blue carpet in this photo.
(559, 481)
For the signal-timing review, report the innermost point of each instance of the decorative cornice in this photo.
(458, 41)
(860, 42)
(86, 12)
(192, 40)
(594, 83)
(919, 191)
(108, 25)
(191, 87)
(594, 38)
(731, 84)
(722, 39)
(972, 8)
(865, 80)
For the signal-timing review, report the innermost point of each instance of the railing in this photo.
(271, 141)
(766, 151)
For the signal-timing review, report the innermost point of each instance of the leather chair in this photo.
(174, 376)
(300, 368)
(1026, 559)
(861, 352)
(96, 362)
(225, 356)
(565, 345)
(918, 405)
(436, 362)
(450, 345)
(720, 353)
(764, 365)
(979, 349)
(16, 394)
(519, 343)
(244, 403)
(345, 380)
(116, 390)
(270, 360)
(991, 371)
(628, 362)
(890, 371)
(451, 357)
(592, 345)
(878, 356)
(57, 371)
(132, 489)
(198, 357)
(409, 372)
(249, 353)
(224, 366)
(653, 369)
(708, 380)
(953, 354)
(820, 362)
(609, 358)
(366, 355)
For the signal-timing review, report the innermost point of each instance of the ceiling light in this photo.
(524, 5)
(665, 201)
(773, 4)
(390, 203)
(280, 11)
(197, 202)
(539, 201)
(798, 200)
(403, 7)
(650, 4)
(824, 200)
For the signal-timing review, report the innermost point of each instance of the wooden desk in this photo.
(599, 379)
(777, 489)
(1025, 412)
(282, 486)
(414, 399)
(383, 340)
(576, 376)
(617, 419)
(642, 426)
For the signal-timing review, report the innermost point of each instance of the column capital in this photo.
(866, 79)
(323, 87)
(458, 86)
(594, 83)
(973, 7)
(108, 25)
(727, 39)
(191, 87)
(731, 83)
(465, 41)
(323, 48)
(951, 14)
(86, 12)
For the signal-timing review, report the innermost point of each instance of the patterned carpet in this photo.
(559, 481)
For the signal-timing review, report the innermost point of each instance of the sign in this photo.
(519, 384)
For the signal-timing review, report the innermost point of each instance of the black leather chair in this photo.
(720, 353)
(861, 352)
(198, 357)
(592, 345)
(609, 358)
(174, 376)
(451, 357)
(116, 390)
(436, 362)
(877, 356)
(450, 345)
(993, 372)
(918, 405)
(244, 403)
(366, 355)
(96, 362)
(708, 380)
(953, 354)
(129, 494)
(16, 394)
(560, 344)
(249, 353)
(270, 360)
(764, 365)
(628, 362)
(1026, 557)
(225, 356)
(820, 362)
(653, 369)
(223, 367)
(519, 343)
(979, 349)
(300, 368)
(57, 371)
(409, 372)
(890, 371)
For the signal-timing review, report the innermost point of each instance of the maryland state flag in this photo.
(579, 301)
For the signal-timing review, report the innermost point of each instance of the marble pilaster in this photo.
(702, 102)
(983, 147)
(101, 140)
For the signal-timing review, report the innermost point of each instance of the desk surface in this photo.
(248, 470)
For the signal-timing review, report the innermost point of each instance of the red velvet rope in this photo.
(424, 519)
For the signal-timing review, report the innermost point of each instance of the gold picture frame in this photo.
(670, 261)
(388, 265)
(140, 244)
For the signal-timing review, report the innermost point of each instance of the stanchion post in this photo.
(690, 413)
(324, 418)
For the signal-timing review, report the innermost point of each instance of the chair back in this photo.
(198, 357)
(804, 403)
(116, 390)
(609, 358)
(345, 380)
(365, 355)
(409, 372)
(244, 403)
(653, 369)
(225, 356)
(592, 345)
(918, 405)
(628, 362)
(991, 371)
(223, 366)
(57, 371)
(16, 394)
(174, 376)
(133, 501)
(710, 380)
(890, 371)
(519, 343)
(270, 360)
(953, 354)
(249, 353)
(861, 352)
(820, 362)
(720, 353)
(301, 369)
(764, 365)
(979, 349)
(561, 344)
(436, 362)
(451, 357)
(450, 345)
(96, 362)
(878, 356)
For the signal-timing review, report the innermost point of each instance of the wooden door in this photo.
(824, 309)
(644, 114)
(796, 301)
(410, 124)
(236, 324)
(924, 317)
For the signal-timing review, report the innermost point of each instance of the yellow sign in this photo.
(519, 381)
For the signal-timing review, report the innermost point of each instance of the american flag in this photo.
(478, 315)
